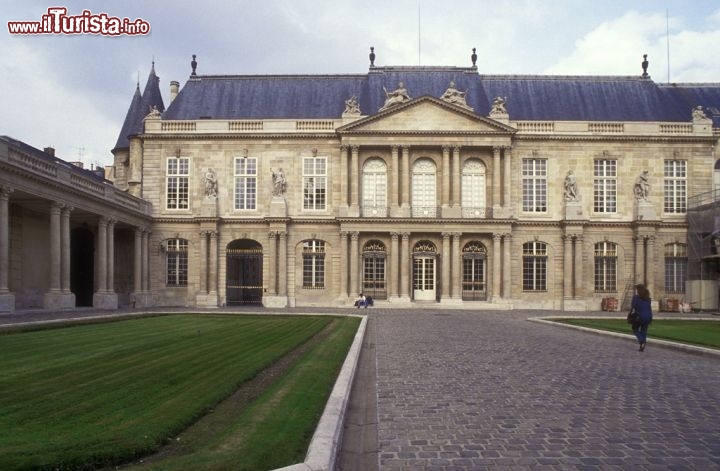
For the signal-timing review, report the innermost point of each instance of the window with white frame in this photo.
(314, 183)
(176, 262)
(534, 266)
(246, 183)
(424, 199)
(313, 264)
(374, 187)
(473, 185)
(675, 267)
(605, 186)
(605, 267)
(534, 185)
(177, 183)
(675, 186)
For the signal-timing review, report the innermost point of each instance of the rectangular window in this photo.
(314, 264)
(246, 183)
(605, 267)
(534, 185)
(178, 175)
(314, 183)
(675, 268)
(675, 186)
(605, 186)
(177, 262)
(534, 266)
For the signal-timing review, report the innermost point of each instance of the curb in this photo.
(552, 320)
(325, 443)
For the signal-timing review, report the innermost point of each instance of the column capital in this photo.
(497, 150)
(5, 191)
(56, 207)
(405, 235)
(507, 236)
(344, 147)
(497, 236)
(446, 235)
(213, 234)
(354, 235)
(394, 147)
(68, 209)
(272, 234)
(282, 234)
(457, 148)
(344, 234)
(394, 235)
(446, 149)
(355, 148)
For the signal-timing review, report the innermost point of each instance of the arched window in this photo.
(424, 199)
(176, 262)
(313, 264)
(374, 258)
(535, 266)
(473, 188)
(374, 197)
(605, 267)
(675, 267)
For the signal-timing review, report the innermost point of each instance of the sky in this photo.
(72, 92)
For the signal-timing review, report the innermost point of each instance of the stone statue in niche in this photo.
(642, 186)
(352, 106)
(571, 190)
(455, 96)
(397, 96)
(498, 107)
(279, 182)
(211, 184)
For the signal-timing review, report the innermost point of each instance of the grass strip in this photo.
(704, 333)
(100, 394)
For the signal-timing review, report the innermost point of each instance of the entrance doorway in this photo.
(244, 262)
(474, 287)
(82, 265)
(424, 271)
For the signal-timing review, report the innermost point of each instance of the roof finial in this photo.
(193, 64)
(645, 66)
(473, 57)
(372, 56)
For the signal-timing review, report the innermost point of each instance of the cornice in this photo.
(636, 138)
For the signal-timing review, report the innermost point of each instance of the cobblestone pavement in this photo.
(463, 390)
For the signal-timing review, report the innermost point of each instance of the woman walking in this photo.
(642, 305)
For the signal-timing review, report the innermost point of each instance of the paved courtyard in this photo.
(468, 390)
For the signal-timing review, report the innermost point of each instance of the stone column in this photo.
(649, 264)
(102, 255)
(455, 287)
(507, 266)
(65, 249)
(496, 266)
(354, 285)
(404, 266)
(406, 177)
(579, 253)
(445, 290)
(445, 201)
(138, 261)
(456, 177)
(5, 242)
(354, 177)
(203, 262)
(394, 265)
(567, 266)
(344, 176)
(507, 180)
(111, 256)
(55, 247)
(639, 259)
(343, 265)
(146, 261)
(393, 175)
(213, 264)
(497, 185)
(282, 263)
(272, 262)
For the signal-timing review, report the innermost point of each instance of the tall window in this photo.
(605, 267)
(374, 188)
(473, 271)
(178, 174)
(534, 266)
(313, 264)
(314, 183)
(716, 177)
(675, 268)
(176, 262)
(424, 200)
(374, 255)
(473, 188)
(246, 183)
(534, 185)
(675, 186)
(605, 186)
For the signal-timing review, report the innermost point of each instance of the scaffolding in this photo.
(703, 271)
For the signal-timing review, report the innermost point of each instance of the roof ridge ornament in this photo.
(193, 64)
(372, 56)
(473, 58)
(645, 66)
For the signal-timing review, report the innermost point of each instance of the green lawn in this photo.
(100, 394)
(705, 333)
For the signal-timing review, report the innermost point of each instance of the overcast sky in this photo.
(72, 92)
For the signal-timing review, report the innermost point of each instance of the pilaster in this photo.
(7, 298)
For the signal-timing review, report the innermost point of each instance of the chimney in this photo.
(49, 150)
(174, 88)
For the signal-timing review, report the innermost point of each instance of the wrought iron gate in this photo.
(244, 276)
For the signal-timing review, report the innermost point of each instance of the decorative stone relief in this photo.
(397, 96)
(211, 184)
(352, 107)
(498, 109)
(571, 190)
(279, 182)
(454, 96)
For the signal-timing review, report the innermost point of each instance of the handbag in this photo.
(633, 317)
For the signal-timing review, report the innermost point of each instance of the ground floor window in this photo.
(313, 264)
(535, 266)
(374, 273)
(605, 267)
(176, 262)
(675, 268)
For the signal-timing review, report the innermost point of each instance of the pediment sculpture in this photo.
(397, 96)
(454, 96)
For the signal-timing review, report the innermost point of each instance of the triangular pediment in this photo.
(426, 114)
